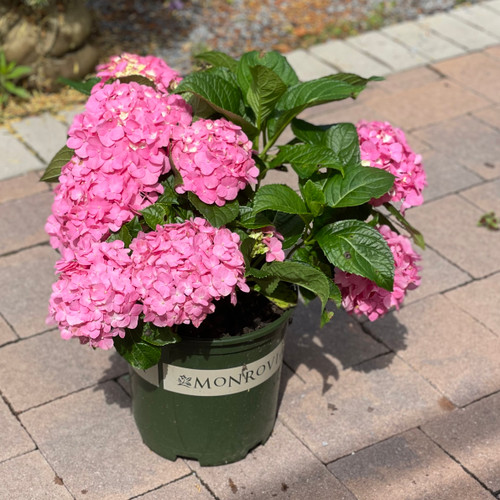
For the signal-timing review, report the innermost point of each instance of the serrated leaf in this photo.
(306, 159)
(169, 195)
(218, 59)
(310, 133)
(217, 216)
(134, 227)
(265, 89)
(154, 215)
(123, 235)
(314, 197)
(140, 355)
(250, 220)
(359, 185)
(355, 247)
(335, 294)
(53, 170)
(272, 60)
(344, 140)
(84, 87)
(290, 226)
(283, 296)
(312, 93)
(279, 197)
(246, 247)
(159, 336)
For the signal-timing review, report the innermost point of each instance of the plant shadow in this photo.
(344, 343)
(115, 374)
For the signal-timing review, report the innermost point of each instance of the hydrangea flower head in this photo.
(151, 67)
(214, 159)
(179, 270)
(361, 296)
(384, 146)
(268, 242)
(94, 299)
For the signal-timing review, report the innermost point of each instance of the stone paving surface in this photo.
(404, 408)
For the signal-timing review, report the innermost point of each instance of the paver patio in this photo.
(404, 408)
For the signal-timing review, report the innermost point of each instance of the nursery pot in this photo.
(211, 400)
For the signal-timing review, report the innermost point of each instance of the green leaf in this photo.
(140, 79)
(344, 140)
(123, 234)
(220, 94)
(279, 197)
(312, 93)
(306, 159)
(282, 295)
(416, 235)
(15, 90)
(53, 170)
(218, 59)
(18, 72)
(84, 87)
(169, 195)
(300, 274)
(250, 220)
(272, 60)
(246, 248)
(335, 294)
(265, 89)
(134, 227)
(355, 247)
(314, 197)
(154, 215)
(289, 226)
(217, 216)
(309, 133)
(159, 336)
(359, 185)
(137, 353)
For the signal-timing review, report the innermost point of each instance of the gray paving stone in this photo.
(90, 440)
(188, 488)
(308, 67)
(445, 175)
(14, 440)
(27, 278)
(485, 196)
(389, 52)
(492, 4)
(437, 275)
(46, 367)
(22, 222)
(477, 71)
(348, 59)
(445, 345)
(450, 227)
(454, 29)
(24, 185)
(481, 17)
(472, 436)
(16, 157)
(69, 114)
(468, 142)
(282, 468)
(491, 116)
(30, 477)
(423, 41)
(338, 345)
(408, 466)
(368, 403)
(6, 333)
(428, 104)
(44, 133)
(480, 300)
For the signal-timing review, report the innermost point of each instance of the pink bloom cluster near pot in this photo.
(127, 140)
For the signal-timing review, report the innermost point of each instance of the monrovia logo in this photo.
(222, 382)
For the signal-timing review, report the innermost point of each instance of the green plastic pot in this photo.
(211, 400)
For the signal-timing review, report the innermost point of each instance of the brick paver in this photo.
(22, 186)
(442, 363)
(485, 196)
(408, 466)
(184, 489)
(6, 332)
(472, 437)
(90, 440)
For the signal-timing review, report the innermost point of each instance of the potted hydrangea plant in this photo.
(178, 252)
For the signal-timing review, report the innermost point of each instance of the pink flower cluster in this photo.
(214, 159)
(151, 67)
(272, 240)
(385, 147)
(119, 142)
(94, 298)
(363, 297)
(180, 269)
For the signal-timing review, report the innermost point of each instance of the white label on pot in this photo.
(222, 382)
